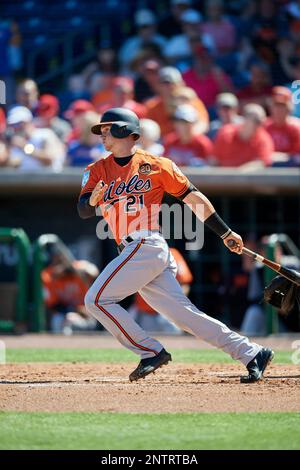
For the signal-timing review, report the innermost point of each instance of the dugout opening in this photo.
(14, 295)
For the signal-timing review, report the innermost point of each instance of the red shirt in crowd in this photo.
(286, 137)
(231, 150)
(207, 87)
(248, 94)
(185, 154)
(222, 32)
(2, 121)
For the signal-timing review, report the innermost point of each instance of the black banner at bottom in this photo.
(136, 458)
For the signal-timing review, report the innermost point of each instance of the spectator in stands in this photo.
(245, 145)
(9, 57)
(5, 160)
(146, 83)
(178, 50)
(146, 316)
(75, 114)
(2, 121)
(161, 108)
(293, 9)
(269, 15)
(282, 70)
(295, 33)
(186, 146)
(186, 95)
(171, 24)
(259, 88)
(64, 288)
(106, 63)
(76, 90)
(227, 110)
(283, 128)
(246, 57)
(247, 18)
(288, 68)
(146, 23)
(218, 27)
(27, 95)
(47, 116)
(101, 88)
(150, 137)
(15, 48)
(34, 148)
(293, 84)
(205, 77)
(149, 51)
(122, 97)
(268, 26)
(87, 148)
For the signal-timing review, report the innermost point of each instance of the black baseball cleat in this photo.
(149, 365)
(257, 366)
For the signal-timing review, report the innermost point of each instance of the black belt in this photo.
(121, 247)
(129, 239)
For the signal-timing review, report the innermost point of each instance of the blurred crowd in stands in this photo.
(211, 88)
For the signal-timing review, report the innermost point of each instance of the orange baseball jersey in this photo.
(133, 198)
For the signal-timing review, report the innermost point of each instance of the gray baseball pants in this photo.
(147, 266)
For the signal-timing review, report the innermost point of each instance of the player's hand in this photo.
(98, 193)
(237, 245)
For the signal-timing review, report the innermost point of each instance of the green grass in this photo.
(141, 431)
(123, 355)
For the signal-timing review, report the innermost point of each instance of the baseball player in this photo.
(128, 186)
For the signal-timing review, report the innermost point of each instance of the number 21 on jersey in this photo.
(134, 203)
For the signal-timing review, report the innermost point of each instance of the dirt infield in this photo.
(174, 388)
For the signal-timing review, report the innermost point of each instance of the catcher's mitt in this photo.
(282, 294)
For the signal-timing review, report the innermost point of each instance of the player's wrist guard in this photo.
(217, 225)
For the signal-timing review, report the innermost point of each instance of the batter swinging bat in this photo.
(290, 274)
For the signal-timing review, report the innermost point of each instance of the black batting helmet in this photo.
(123, 123)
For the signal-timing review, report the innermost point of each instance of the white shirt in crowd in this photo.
(41, 138)
(179, 47)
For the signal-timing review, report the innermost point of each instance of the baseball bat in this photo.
(290, 274)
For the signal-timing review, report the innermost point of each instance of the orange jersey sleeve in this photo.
(92, 175)
(173, 181)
